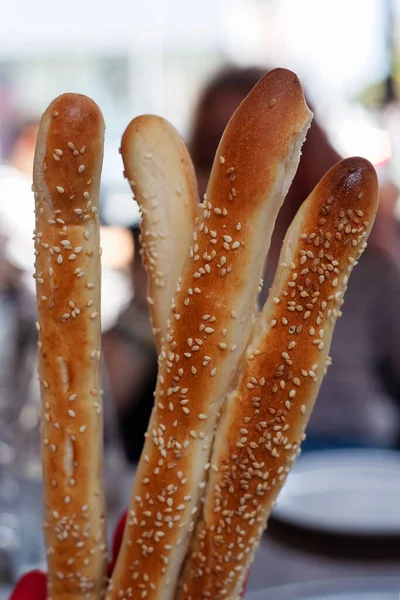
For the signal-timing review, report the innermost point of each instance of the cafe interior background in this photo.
(156, 57)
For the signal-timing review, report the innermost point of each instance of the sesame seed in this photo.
(233, 314)
(71, 413)
(303, 409)
(93, 315)
(60, 259)
(213, 372)
(221, 160)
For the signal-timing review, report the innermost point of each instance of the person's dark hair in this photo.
(318, 155)
(135, 232)
(205, 135)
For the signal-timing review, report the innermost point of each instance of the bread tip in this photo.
(281, 84)
(284, 73)
(144, 124)
(74, 108)
(359, 172)
(359, 163)
(137, 124)
(284, 77)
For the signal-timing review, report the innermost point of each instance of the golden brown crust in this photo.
(264, 418)
(209, 329)
(162, 178)
(67, 169)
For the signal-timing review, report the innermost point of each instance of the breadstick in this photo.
(67, 168)
(264, 417)
(162, 178)
(208, 330)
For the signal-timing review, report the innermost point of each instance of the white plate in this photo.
(351, 589)
(356, 491)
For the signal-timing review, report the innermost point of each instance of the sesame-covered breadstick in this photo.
(208, 330)
(67, 168)
(265, 415)
(162, 179)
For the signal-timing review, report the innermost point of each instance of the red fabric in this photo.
(119, 532)
(33, 585)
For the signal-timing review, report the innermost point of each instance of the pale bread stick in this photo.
(264, 418)
(67, 168)
(162, 179)
(208, 331)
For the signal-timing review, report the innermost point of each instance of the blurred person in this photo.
(17, 298)
(357, 405)
(217, 102)
(16, 197)
(131, 361)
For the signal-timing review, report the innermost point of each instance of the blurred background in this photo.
(192, 63)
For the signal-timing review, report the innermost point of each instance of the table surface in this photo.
(274, 564)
